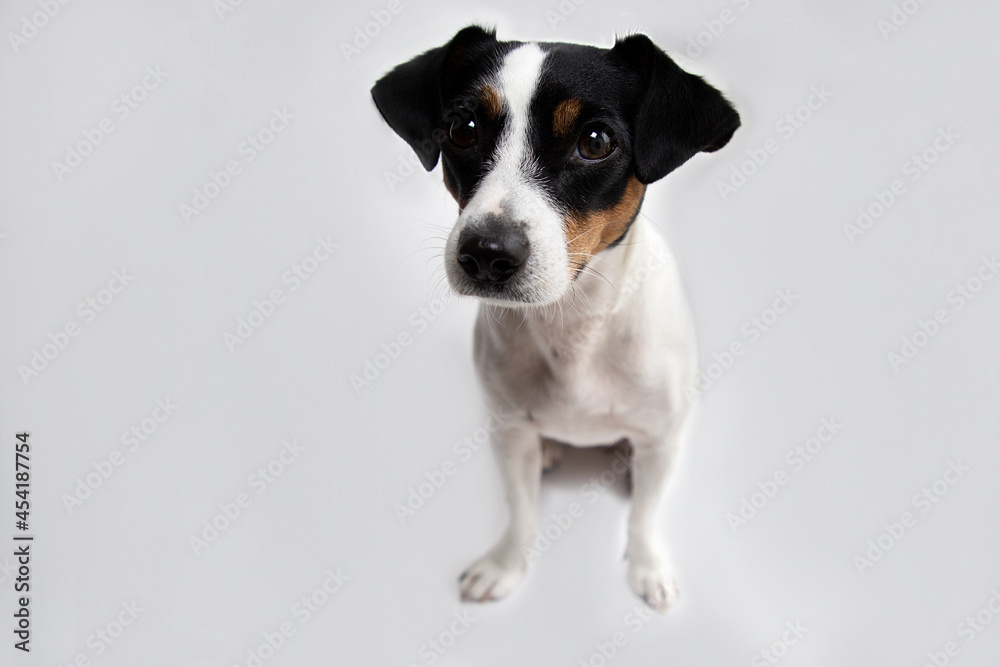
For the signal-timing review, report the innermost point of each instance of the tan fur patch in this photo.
(490, 98)
(591, 232)
(565, 116)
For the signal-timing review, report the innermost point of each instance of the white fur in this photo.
(605, 359)
(595, 389)
(510, 190)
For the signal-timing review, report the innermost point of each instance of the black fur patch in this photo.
(659, 114)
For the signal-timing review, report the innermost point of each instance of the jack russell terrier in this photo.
(583, 333)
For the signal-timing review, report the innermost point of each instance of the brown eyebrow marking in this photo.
(565, 116)
(490, 98)
(588, 233)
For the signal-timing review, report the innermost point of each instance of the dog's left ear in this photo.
(678, 115)
(409, 97)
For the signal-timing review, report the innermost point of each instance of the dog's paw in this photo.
(651, 580)
(491, 578)
(551, 455)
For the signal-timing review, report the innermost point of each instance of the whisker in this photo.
(590, 229)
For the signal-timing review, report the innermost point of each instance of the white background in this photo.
(335, 506)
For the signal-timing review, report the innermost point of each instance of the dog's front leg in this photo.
(519, 454)
(648, 572)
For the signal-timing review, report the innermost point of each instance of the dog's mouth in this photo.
(506, 263)
(505, 286)
(499, 294)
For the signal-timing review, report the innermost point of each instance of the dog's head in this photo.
(547, 148)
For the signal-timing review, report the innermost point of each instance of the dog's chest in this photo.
(578, 381)
(584, 401)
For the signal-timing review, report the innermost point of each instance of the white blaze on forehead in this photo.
(516, 81)
(511, 191)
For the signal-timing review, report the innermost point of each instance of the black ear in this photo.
(410, 96)
(678, 115)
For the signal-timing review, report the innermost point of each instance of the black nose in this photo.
(492, 257)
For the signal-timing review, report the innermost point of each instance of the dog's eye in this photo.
(463, 133)
(597, 142)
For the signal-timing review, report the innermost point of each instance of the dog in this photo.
(584, 335)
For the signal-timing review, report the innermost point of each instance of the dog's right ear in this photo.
(410, 96)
